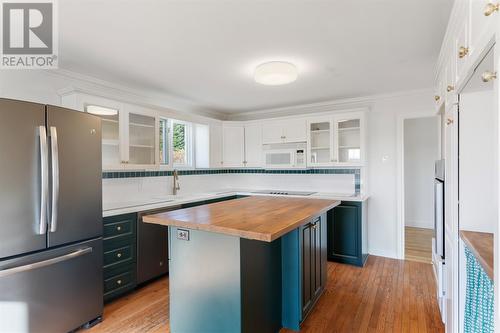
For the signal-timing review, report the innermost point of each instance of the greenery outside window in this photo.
(182, 144)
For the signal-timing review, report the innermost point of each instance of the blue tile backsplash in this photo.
(135, 174)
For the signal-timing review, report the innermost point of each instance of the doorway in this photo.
(420, 151)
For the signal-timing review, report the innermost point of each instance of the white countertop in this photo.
(139, 205)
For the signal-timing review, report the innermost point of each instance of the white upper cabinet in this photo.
(284, 131)
(482, 15)
(462, 47)
(272, 132)
(320, 141)
(253, 146)
(216, 157)
(336, 140)
(142, 139)
(233, 146)
(294, 130)
(111, 140)
(242, 145)
(349, 139)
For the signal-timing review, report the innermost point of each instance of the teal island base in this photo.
(221, 283)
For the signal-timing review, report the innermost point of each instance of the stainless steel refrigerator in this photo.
(50, 218)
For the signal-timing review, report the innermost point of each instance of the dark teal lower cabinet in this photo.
(304, 256)
(119, 260)
(313, 241)
(347, 233)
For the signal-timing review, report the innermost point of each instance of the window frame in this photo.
(169, 148)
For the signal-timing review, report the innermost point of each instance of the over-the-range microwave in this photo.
(285, 156)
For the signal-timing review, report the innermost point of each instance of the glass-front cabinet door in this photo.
(320, 145)
(142, 139)
(348, 139)
(110, 122)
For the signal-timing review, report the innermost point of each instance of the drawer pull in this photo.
(119, 282)
(450, 88)
(488, 76)
(491, 8)
(118, 228)
(119, 255)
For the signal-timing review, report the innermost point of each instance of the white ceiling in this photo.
(205, 51)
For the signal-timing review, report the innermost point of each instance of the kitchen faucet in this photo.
(177, 186)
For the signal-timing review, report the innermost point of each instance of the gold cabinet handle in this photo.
(491, 8)
(119, 282)
(449, 121)
(119, 255)
(463, 51)
(450, 88)
(488, 76)
(437, 98)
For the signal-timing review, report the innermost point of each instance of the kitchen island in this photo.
(253, 264)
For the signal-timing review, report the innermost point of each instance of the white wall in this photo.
(421, 150)
(131, 189)
(383, 161)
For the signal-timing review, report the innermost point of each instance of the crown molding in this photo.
(363, 102)
(94, 86)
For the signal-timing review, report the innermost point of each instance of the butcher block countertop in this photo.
(256, 217)
(481, 245)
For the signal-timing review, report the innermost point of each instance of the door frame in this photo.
(400, 183)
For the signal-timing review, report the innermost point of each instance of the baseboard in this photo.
(420, 224)
(383, 253)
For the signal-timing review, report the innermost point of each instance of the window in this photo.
(164, 142)
(181, 142)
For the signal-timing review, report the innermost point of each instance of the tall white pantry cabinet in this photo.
(472, 35)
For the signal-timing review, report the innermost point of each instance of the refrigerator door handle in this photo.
(44, 179)
(44, 263)
(55, 178)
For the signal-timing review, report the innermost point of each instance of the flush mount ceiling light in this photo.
(101, 111)
(275, 73)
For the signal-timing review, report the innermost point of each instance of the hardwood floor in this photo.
(387, 295)
(418, 244)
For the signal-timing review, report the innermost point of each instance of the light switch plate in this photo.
(183, 234)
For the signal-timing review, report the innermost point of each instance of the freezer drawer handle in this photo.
(55, 178)
(44, 179)
(44, 263)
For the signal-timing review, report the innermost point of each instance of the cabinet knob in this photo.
(449, 121)
(119, 255)
(488, 76)
(490, 8)
(119, 282)
(437, 98)
(450, 88)
(463, 51)
(118, 228)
